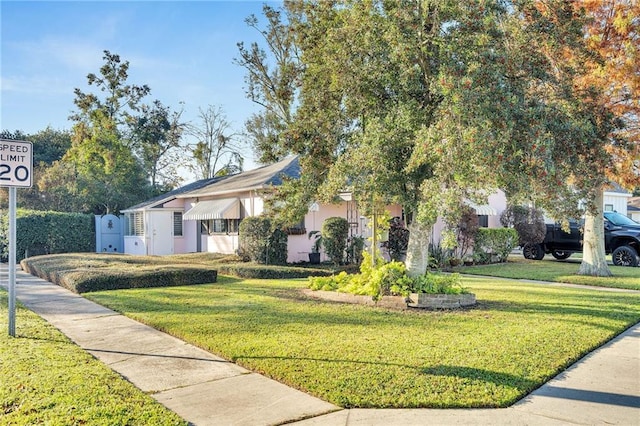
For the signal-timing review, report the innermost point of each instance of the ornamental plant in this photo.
(335, 231)
(527, 221)
(377, 279)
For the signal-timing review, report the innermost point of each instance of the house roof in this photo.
(633, 203)
(260, 178)
(171, 195)
(617, 189)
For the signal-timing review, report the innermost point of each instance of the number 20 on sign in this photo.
(16, 159)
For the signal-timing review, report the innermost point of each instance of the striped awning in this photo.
(226, 208)
(483, 210)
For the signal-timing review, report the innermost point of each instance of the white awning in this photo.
(483, 210)
(227, 208)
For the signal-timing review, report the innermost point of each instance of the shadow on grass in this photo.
(522, 384)
(479, 374)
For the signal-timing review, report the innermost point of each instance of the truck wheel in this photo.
(560, 255)
(533, 251)
(625, 256)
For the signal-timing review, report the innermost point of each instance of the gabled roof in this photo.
(260, 178)
(172, 195)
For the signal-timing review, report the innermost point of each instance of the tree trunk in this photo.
(417, 260)
(594, 262)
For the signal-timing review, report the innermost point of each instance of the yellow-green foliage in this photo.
(377, 279)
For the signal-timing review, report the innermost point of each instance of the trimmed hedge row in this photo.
(46, 232)
(259, 271)
(97, 279)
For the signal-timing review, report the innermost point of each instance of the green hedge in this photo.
(335, 231)
(45, 232)
(259, 271)
(494, 242)
(85, 280)
(261, 243)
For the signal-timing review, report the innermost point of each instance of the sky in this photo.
(183, 50)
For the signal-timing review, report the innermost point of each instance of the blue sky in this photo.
(183, 50)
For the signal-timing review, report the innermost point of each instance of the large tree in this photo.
(155, 139)
(272, 82)
(215, 151)
(429, 104)
(100, 173)
(118, 100)
(613, 35)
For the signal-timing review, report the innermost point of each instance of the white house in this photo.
(204, 216)
(616, 200)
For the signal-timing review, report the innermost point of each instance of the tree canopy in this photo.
(432, 103)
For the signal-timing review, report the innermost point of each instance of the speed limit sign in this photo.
(16, 161)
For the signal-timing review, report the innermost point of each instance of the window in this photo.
(134, 223)
(297, 229)
(608, 207)
(219, 226)
(177, 224)
(483, 221)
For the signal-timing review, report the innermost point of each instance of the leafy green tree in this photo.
(156, 134)
(100, 173)
(429, 104)
(108, 176)
(120, 99)
(272, 82)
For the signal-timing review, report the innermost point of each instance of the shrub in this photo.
(466, 231)
(260, 243)
(278, 242)
(497, 242)
(386, 279)
(257, 271)
(438, 256)
(431, 283)
(46, 232)
(84, 280)
(355, 246)
(527, 221)
(398, 239)
(335, 231)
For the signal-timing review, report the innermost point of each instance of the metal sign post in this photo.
(16, 164)
(12, 261)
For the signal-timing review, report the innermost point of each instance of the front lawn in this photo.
(556, 271)
(516, 338)
(46, 379)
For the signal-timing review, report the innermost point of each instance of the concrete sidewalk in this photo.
(602, 388)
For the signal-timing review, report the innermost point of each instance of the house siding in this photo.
(618, 200)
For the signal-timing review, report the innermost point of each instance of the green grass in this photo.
(556, 271)
(519, 336)
(46, 379)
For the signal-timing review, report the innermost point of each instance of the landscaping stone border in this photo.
(392, 302)
(441, 301)
(421, 301)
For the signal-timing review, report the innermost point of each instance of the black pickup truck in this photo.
(621, 240)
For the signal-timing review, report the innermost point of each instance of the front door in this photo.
(161, 233)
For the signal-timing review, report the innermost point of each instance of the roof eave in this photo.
(225, 192)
